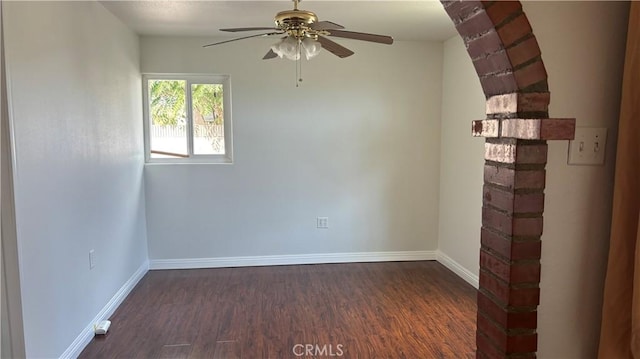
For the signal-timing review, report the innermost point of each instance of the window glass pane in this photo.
(208, 119)
(168, 118)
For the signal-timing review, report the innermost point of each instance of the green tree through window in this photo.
(207, 103)
(168, 100)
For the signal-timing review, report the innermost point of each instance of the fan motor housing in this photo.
(294, 18)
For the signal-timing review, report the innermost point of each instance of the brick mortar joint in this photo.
(518, 115)
(510, 309)
(526, 215)
(493, 276)
(528, 191)
(489, 54)
(506, 72)
(509, 166)
(447, 3)
(497, 325)
(525, 262)
(499, 210)
(515, 191)
(502, 116)
(474, 37)
(511, 238)
(512, 213)
(509, 19)
(500, 187)
(519, 142)
(496, 255)
(520, 40)
(527, 63)
(521, 309)
(505, 51)
(540, 86)
(525, 239)
(488, 4)
(530, 167)
(532, 285)
(509, 261)
(468, 16)
(495, 346)
(534, 115)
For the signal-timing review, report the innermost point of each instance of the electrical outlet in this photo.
(588, 146)
(92, 259)
(322, 222)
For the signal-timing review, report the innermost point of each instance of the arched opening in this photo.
(507, 59)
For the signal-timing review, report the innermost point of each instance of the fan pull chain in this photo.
(299, 64)
(300, 71)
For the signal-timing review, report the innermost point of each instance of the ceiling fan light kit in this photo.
(293, 49)
(304, 34)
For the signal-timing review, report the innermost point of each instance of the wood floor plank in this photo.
(227, 350)
(175, 351)
(358, 310)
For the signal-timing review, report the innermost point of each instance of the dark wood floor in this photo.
(416, 310)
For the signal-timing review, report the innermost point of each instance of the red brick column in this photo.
(512, 209)
(508, 61)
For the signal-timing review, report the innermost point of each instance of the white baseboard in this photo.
(192, 263)
(456, 268)
(78, 345)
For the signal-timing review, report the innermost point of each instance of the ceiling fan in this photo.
(305, 35)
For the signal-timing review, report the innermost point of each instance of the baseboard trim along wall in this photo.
(78, 345)
(193, 263)
(458, 269)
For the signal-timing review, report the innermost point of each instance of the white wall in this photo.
(582, 46)
(11, 328)
(358, 142)
(584, 60)
(11, 340)
(461, 161)
(75, 98)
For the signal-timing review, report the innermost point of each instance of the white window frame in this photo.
(190, 79)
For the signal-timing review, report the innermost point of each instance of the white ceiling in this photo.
(403, 20)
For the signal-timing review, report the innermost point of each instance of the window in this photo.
(187, 119)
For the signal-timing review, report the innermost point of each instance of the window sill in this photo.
(190, 161)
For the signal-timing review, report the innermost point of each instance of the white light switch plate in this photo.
(588, 147)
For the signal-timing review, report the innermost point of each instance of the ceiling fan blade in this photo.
(325, 25)
(238, 29)
(334, 47)
(382, 39)
(270, 55)
(242, 38)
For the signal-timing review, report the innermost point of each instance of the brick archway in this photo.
(507, 58)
